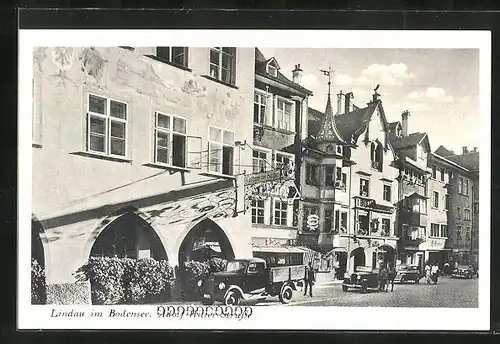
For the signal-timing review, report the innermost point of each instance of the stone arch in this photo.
(204, 240)
(358, 257)
(128, 232)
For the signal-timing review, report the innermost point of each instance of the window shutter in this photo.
(233, 68)
(186, 57)
(193, 152)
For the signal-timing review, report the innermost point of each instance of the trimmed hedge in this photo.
(125, 280)
(38, 286)
(194, 271)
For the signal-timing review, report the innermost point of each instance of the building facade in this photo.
(464, 212)
(137, 153)
(280, 107)
(348, 181)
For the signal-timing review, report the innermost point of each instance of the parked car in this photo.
(408, 273)
(364, 278)
(463, 271)
(251, 279)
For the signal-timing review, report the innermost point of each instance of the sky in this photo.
(440, 87)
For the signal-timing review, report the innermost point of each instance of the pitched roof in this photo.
(260, 69)
(406, 141)
(443, 151)
(393, 125)
(468, 160)
(352, 124)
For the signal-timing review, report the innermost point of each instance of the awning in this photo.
(282, 249)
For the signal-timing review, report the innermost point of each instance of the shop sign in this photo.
(435, 243)
(273, 242)
(313, 222)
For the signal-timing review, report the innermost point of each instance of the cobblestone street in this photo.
(448, 293)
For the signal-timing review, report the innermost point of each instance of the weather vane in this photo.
(328, 73)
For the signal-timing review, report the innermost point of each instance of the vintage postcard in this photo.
(242, 179)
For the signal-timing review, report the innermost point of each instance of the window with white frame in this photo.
(311, 174)
(106, 126)
(280, 212)
(175, 55)
(444, 231)
(285, 162)
(330, 175)
(421, 153)
(258, 211)
(284, 114)
(467, 233)
(465, 188)
(259, 160)
(364, 187)
(339, 149)
(223, 64)
(386, 226)
(220, 150)
(435, 199)
(387, 193)
(459, 213)
(434, 229)
(170, 142)
(434, 171)
(459, 233)
(340, 221)
(467, 214)
(340, 179)
(328, 220)
(441, 172)
(259, 108)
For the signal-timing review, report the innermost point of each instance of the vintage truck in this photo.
(246, 279)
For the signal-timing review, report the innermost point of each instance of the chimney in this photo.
(340, 103)
(348, 102)
(404, 122)
(297, 74)
(475, 150)
(465, 150)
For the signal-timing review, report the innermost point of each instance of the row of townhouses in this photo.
(184, 153)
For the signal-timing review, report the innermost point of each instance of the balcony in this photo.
(414, 219)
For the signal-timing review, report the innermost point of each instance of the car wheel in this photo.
(364, 287)
(232, 299)
(286, 294)
(345, 288)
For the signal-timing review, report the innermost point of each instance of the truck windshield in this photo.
(236, 266)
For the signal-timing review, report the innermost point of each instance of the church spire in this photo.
(328, 131)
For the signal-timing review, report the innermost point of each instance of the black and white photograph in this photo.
(316, 177)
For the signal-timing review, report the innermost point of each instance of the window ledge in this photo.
(103, 156)
(219, 81)
(36, 145)
(168, 167)
(261, 225)
(216, 175)
(159, 59)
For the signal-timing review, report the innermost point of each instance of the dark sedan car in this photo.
(463, 271)
(364, 279)
(408, 273)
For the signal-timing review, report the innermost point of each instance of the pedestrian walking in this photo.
(428, 273)
(309, 279)
(391, 276)
(382, 277)
(435, 273)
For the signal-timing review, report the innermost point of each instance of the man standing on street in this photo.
(309, 279)
(435, 272)
(428, 273)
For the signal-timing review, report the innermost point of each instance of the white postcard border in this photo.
(333, 318)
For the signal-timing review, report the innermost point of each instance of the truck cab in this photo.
(250, 279)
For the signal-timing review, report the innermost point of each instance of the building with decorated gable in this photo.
(463, 219)
(280, 108)
(137, 153)
(348, 180)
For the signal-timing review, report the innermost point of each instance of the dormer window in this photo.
(272, 70)
(272, 67)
